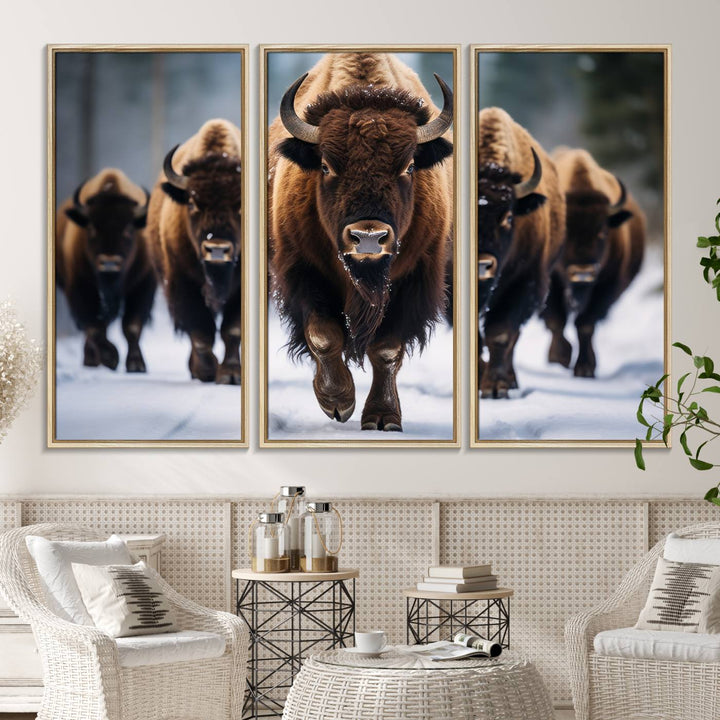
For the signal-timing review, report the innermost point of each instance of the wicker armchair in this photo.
(614, 688)
(82, 674)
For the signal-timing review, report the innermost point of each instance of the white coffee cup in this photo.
(372, 641)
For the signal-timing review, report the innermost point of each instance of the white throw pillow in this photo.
(124, 600)
(692, 550)
(54, 559)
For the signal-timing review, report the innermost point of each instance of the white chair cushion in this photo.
(54, 558)
(692, 550)
(169, 648)
(658, 645)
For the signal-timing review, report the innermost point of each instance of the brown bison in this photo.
(603, 253)
(521, 226)
(103, 265)
(195, 236)
(360, 217)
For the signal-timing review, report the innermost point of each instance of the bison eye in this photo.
(410, 169)
(325, 169)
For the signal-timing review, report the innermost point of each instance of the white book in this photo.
(460, 572)
(456, 581)
(457, 588)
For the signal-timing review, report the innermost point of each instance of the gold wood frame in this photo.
(264, 440)
(52, 52)
(475, 51)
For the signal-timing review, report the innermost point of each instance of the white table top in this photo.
(398, 657)
(343, 574)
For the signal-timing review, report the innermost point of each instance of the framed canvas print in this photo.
(569, 241)
(147, 224)
(358, 328)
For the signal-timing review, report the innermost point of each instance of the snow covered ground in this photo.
(425, 385)
(164, 404)
(552, 404)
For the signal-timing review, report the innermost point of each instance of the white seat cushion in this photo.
(658, 645)
(169, 648)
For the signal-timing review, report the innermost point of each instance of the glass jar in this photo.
(323, 538)
(291, 502)
(269, 544)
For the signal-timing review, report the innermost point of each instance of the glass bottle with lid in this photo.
(269, 547)
(322, 537)
(291, 502)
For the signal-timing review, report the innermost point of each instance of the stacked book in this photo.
(458, 579)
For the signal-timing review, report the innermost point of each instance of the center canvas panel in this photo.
(358, 283)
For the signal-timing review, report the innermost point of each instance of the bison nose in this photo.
(217, 251)
(487, 266)
(368, 237)
(109, 263)
(582, 273)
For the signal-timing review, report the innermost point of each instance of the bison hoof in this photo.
(584, 370)
(135, 364)
(203, 367)
(229, 374)
(337, 411)
(560, 352)
(109, 356)
(389, 422)
(499, 390)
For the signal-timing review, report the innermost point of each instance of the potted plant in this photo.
(663, 409)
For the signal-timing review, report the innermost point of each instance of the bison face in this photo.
(111, 222)
(590, 218)
(210, 188)
(502, 197)
(365, 146)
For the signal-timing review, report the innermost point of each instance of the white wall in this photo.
(691, 26)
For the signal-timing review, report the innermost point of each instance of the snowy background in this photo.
(163, 404)
(425, 387)
(552, 404)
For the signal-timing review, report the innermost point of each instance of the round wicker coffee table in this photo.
(339, 685)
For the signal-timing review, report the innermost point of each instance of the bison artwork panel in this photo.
(147, 306)
(570, 245)
(360, 221)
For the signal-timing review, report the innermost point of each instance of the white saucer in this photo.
(359, 653)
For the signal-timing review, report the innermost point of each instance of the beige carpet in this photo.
(559, 714)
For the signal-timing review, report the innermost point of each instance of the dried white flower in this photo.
(21, 361)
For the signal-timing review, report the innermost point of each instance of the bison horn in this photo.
(293, 124)
(437, 127)
(623, 197)
(179, 181)
(76, 197)
(525, 187)
(141, 210)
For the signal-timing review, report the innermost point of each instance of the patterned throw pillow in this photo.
(684, 597)
(124, 600)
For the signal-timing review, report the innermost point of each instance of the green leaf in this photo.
(698, 361)
(665, 433)
(662, 380)
(639, 461)
(715, 501)
(701, 464)
(682, 380)
(648, 434)
(712, 389)
(708, 364)
(683, 347)
(641, 419)
(712, 493)
(703, 242)
(709, 376)
(684, 443)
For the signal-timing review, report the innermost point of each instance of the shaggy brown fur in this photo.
(604, 243)
(179, 221)
(368, 107)
(108, 225)
(524, 236)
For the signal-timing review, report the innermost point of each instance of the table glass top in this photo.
(402, 657)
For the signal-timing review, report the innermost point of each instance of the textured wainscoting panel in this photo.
(8, 518)
(390, 542)
(193, 557)
(559, 557)
(669, 515)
